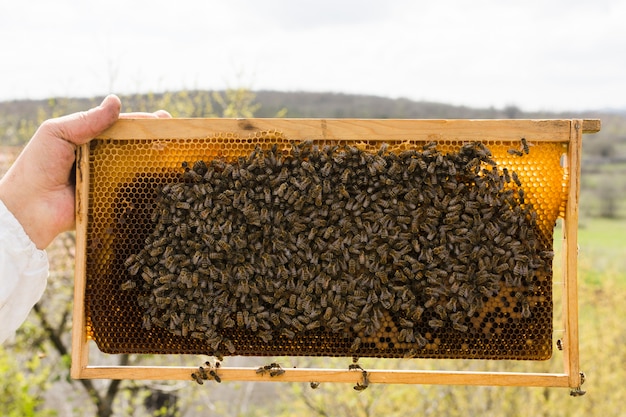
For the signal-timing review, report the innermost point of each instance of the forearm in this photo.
(23, 273)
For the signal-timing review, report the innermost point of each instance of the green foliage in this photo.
(230, 103)
(21, 390)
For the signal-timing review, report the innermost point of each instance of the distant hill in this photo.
(604, 154)
(308, 104)
(338, 105)
(304, 104)
(19, 118)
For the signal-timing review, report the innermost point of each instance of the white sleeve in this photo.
(23, 273)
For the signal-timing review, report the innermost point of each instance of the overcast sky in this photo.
(536, 54)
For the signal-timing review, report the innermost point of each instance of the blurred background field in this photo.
(35, 366)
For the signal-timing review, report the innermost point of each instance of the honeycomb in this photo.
(167, 274)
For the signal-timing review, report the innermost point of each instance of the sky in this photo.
(538, 55)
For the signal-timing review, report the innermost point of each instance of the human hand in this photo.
(37, 189)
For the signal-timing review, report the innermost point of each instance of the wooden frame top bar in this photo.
(551, 130)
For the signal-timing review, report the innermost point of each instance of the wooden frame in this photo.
(568, 131)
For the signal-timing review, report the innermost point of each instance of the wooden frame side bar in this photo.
(80, 350)
(570, 261)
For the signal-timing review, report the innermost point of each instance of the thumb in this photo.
(79, 128)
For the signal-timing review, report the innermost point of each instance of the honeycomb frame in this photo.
(561, 137)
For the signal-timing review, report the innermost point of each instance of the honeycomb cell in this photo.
(372, 249)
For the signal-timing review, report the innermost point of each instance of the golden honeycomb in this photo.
(129, 181)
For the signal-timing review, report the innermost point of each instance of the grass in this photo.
(602, 234)
(602, 250)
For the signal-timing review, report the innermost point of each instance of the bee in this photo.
(313, 325)
(491, 229)
(440, 310)
(328, 313)
(406, 335)
(128, 285)
(417, 313)
(471, 310)
(314, 384)
(197, 378)
(200, 167)
(224, 246)
(147, 323)
(360, 386)
(459, 326)
(328, 232)
(343, 191)
(382, 276)
(228, 170)
(289, 334)
(440, 251)
(420, 340)
(202, 373)
(520, 269)
(281, 190)
(326, 169)
(355, 367)
(162, 302)
(451, 305)
(432, 300)
(215, 376)
(405, 323)
(515, 152)
(525, 146)
(182, 205)
(133, 269)
(356, 344)
(265, 335)
(295, 323)
(525, 309)
(274, 369)
(411, 353)
(229, 345)
(307, 166)
(262, 370)
(288, 311)
(435, 323)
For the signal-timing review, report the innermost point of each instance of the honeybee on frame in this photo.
(525, 146)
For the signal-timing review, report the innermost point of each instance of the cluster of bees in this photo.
(285, 242)
(207, 372)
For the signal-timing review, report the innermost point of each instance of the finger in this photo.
(160, 114)
(79, 128)
(163, 114)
